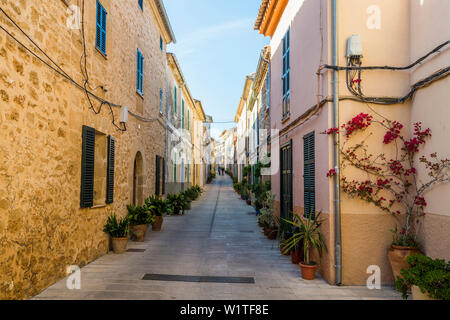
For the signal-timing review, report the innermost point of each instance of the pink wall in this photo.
(304, 57)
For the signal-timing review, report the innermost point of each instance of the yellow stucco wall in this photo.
(42, 229)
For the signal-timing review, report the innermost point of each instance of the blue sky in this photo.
(216, 47)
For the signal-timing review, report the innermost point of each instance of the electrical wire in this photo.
(57, 69)
(435, 50)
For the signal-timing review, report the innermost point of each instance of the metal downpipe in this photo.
(336, 152)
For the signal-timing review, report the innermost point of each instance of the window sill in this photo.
(285, 118)
(103, 54)
(100, 206)
(140, 94)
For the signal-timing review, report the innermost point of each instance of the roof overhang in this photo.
(269, 16)
(245, 92)
(163, 21)
(260, 76)
(174, 66)
(239, 111)
(199, 110)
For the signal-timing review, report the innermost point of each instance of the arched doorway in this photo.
(138, 180)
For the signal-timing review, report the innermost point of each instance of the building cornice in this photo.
(245, 92)
(261, 73)
(162, 20)
(269, 16)
(199, 110)
(174, 66)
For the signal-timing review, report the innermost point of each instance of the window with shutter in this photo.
(182, 114)
(101, 28)
(110, 170)
(163, 190)
(188, 122)
(141, 4)
(175, 168)
(286, 184)
(286, 75)
(175, 99)
(160, 101)
(157, 175)
(87, 167)
(140, 72)
(309, 174)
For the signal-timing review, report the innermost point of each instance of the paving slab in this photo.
(218, 237)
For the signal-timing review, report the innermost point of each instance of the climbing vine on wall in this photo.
(392, 183)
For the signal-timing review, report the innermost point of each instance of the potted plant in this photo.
(258, 206)
(307, 231)
(140, 218)
(158, 207)
(176, 203)
(118, 230)
(284, 235)
(402, 246)
(186, 202)
(428, 278)
(244, 194)
(296, 251)
(198, 190)
(264, 220)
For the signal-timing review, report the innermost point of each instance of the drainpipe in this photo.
(336, 151)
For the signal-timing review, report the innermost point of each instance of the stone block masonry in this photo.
(42, 228)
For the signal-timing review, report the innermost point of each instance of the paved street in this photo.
(219, 237)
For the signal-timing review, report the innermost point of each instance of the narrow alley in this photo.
(219, 239)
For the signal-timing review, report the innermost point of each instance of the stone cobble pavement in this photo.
(219, 236)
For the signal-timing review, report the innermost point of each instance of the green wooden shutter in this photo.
(309, 174)
(286, 184)
(110, 172)
(175, 99)
(87, 167)
(163, 191)
(157, 175)
(182, 114)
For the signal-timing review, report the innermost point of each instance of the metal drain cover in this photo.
(181, 278)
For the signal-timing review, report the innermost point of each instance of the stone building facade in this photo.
(43, 230)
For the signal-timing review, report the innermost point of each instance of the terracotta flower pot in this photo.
(266, 231)
(119, 245)
(272, 234)
(418, 295)
(296, 257)
(156, 226)
(308, 271)
(139, 232)
(397, 257)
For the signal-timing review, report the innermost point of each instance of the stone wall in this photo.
(42, 228)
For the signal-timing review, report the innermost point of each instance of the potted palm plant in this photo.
(308, 231)
(158, 207)
(296, 251)
(140, 218)
(118, 230)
